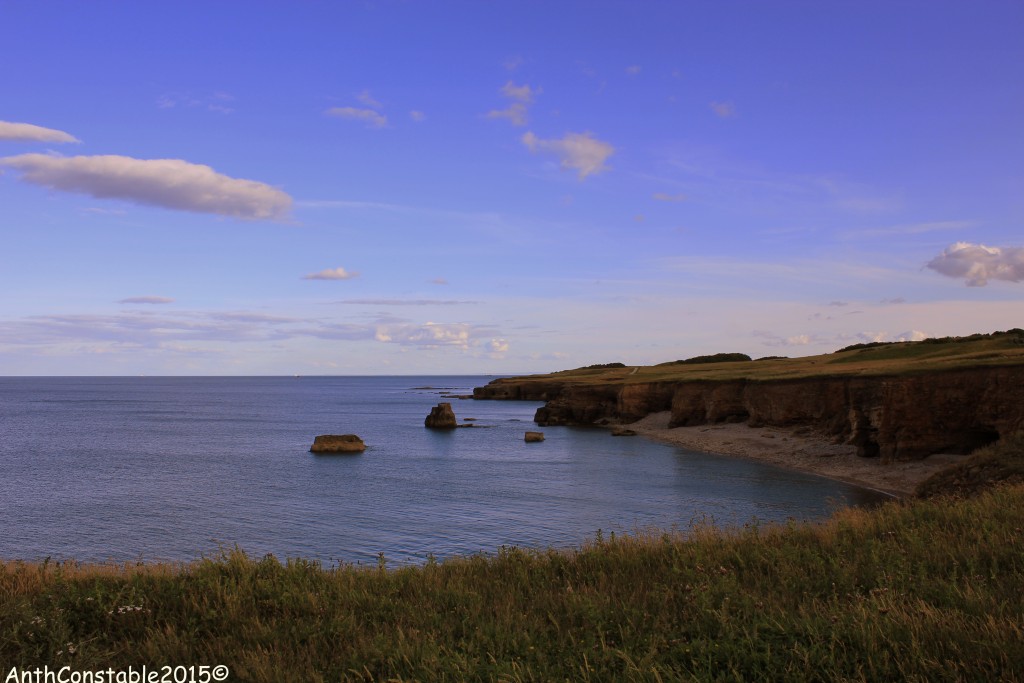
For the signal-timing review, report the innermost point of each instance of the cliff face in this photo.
(900, 417)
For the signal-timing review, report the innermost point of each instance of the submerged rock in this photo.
(622, 431)
(337, 443)
(534, 437)
(441, 417)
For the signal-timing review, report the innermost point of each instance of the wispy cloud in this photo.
(633, 70)
(417, 115)
(147, 300)
(366, 98)
(837, 340)
(515, 113)
(723, 110)
(432, 335)
(706, 174)
(520, 93)
(144, 329)
(217, 102)
(579, 151)
(910, 229)
(977, 264)
(371, 118)
(407, 302)
(338, 273)
(26, 132)
(665, 197)
(168, 183)
(65, 334)
(522, 97)
(428, 335)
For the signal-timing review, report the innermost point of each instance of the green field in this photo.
(979, 350)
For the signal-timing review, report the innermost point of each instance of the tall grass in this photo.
(999, 463)
(921, 591)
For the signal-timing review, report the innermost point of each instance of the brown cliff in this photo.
(895, 416)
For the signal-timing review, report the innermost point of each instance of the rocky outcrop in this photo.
(897, 417)
(509, 389)
(337, 443)
(441, 417)
(534, 437)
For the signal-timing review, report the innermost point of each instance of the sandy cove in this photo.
(798, 449)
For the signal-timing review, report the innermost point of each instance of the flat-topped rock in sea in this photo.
(337, 443)
(534, 437)
(441, 417)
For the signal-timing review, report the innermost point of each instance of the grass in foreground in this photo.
(921, 591)
(994, 465)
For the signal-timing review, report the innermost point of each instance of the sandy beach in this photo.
(796, 448)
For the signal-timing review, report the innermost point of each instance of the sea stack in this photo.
(337, 443)
(441, 417)
(534, 437)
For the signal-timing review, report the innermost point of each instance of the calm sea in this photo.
(167, 468)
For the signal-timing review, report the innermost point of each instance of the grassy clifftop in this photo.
(920, 591)
(997, 348)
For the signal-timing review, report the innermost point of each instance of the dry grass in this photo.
(922, 591)
(997, 349)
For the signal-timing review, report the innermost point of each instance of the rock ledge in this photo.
(337, 443)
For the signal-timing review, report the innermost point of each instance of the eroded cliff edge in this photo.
(893, 416)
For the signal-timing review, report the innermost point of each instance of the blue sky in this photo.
(501, 187)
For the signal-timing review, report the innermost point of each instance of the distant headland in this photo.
(906, 408)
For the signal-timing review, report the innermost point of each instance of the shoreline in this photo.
(796, 448)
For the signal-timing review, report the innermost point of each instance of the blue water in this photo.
(127, 469)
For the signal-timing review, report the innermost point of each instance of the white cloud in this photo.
(29, 133)
(633, 70)
(406, 302)
(498, 345)
(515, 113)
(908, 336)
(978, 264)
(579, 151)
(372, 118)
(439, 281)
(147, 300)
(665, 197)
(366, 98)
(775, 340)
(417, 115)
(338, 273)
(169, 183)
(724, 110)
(520, 93)
(522, 97)
(426, 335)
